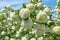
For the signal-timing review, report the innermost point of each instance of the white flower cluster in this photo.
(39, 5)
(56, 29)
(41, 17)
(40, 29)
(27, 24)
(48, 11)
(31, 7)
(24, 13)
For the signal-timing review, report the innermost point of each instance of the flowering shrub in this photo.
(32, 22)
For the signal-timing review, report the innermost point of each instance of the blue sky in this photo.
(16, 4)
(50, 3)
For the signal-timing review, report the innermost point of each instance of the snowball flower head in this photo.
(31, 7)
(33, 39)
(40, 29)
(41, 17)
(48, 10)
(27, 24)
(56, 29)
(39, 5)
(24, 13)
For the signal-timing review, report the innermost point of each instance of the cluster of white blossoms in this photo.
(39, 5)
(27, 24)
(40, 29)
(48, 11)
(56, 29)
(24, 13)
(31, 7)
(41, 17)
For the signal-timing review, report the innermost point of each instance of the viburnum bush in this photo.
(34, 21)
